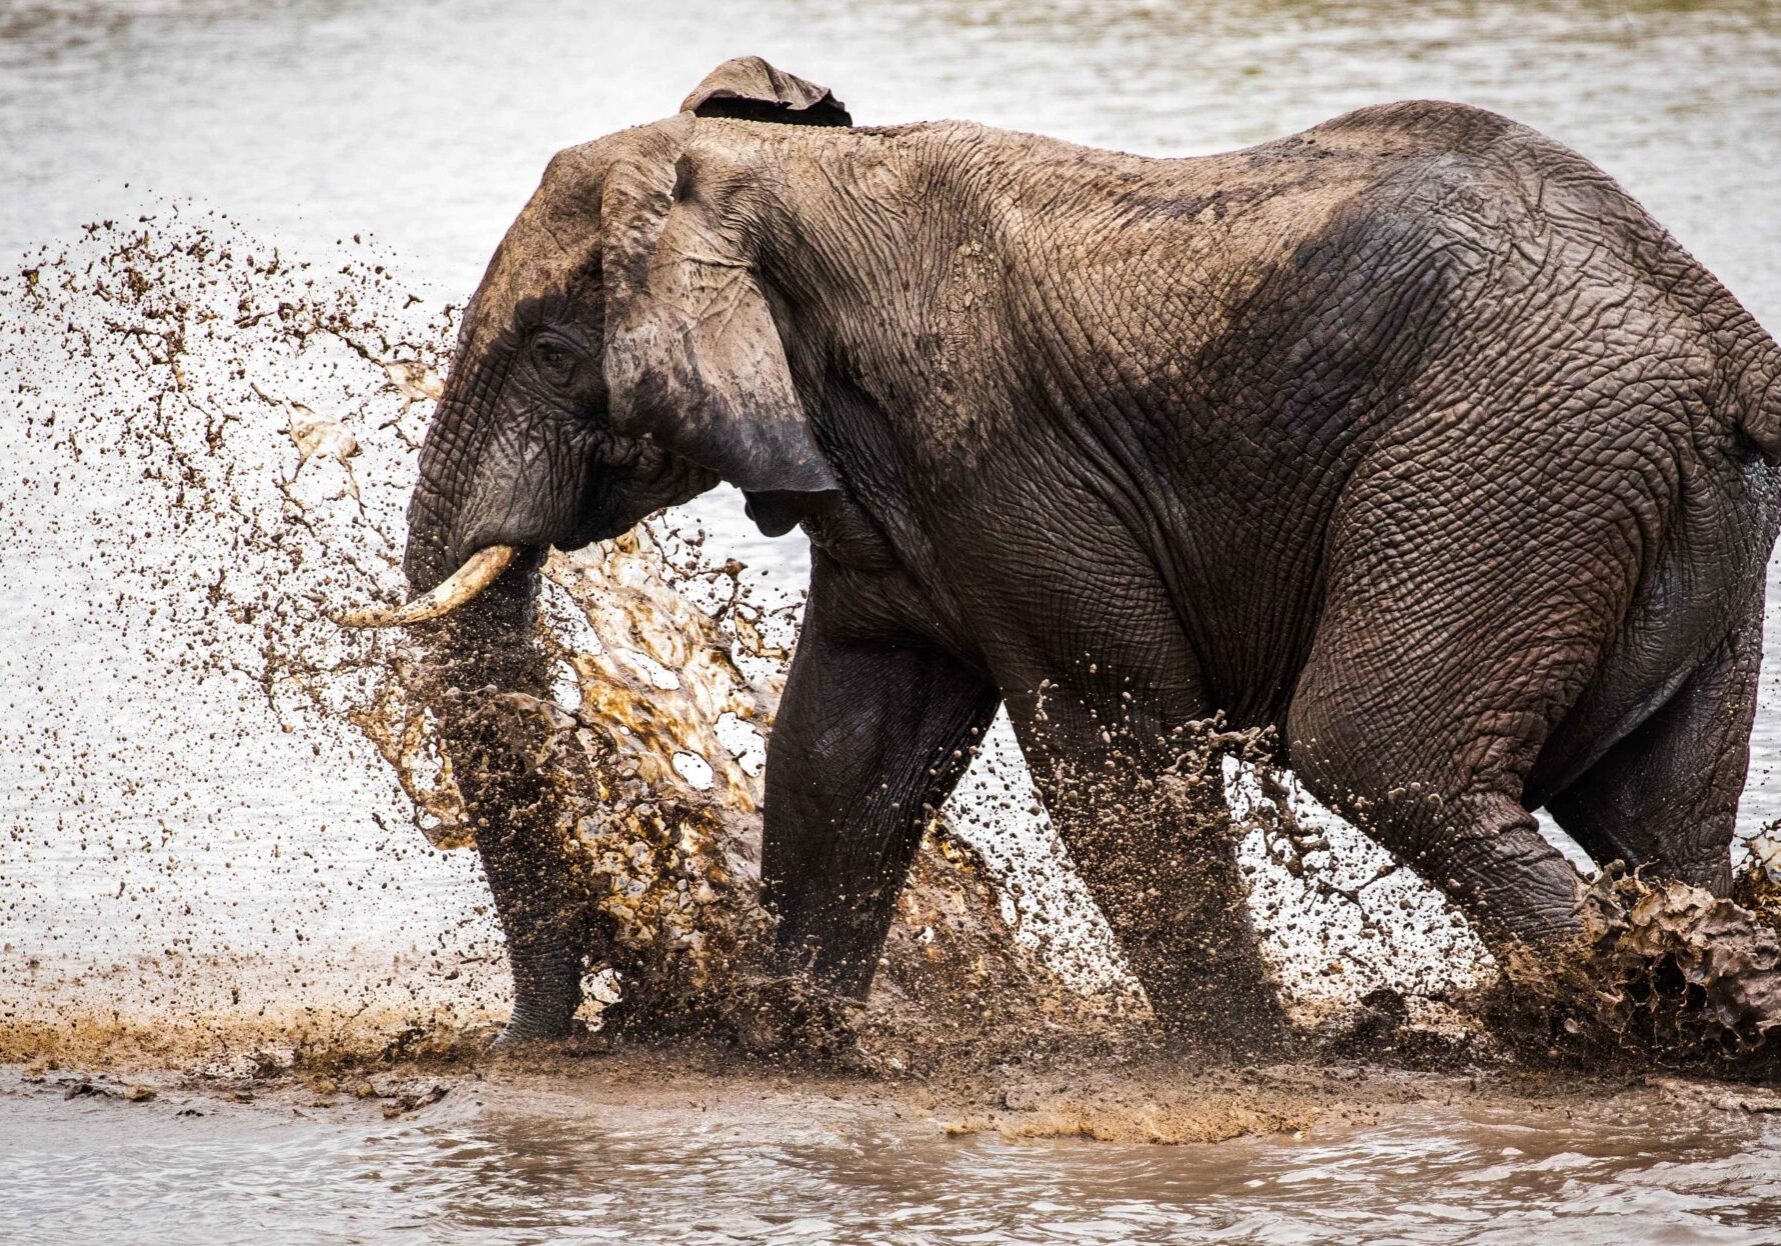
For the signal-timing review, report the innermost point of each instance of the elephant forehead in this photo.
(553, 245)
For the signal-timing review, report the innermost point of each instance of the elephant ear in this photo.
(749, 89)
(692, 354)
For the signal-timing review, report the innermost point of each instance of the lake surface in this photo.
(490, 1165)
(145, 817)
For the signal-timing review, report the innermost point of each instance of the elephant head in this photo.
(620, 356)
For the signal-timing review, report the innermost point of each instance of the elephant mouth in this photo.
(479, 571)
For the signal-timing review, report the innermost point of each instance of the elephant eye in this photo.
(554, 360)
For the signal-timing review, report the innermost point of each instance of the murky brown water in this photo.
(156, 830)
(505, 1163)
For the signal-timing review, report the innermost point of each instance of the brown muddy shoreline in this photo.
(1130, 1097)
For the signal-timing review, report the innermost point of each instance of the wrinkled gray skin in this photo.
(1411, 437)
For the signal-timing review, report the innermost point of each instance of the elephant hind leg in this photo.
(1665, 798)
(1436, 675)
(1463, 832)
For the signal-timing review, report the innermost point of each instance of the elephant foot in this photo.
(1245, 1031)
(547, 993)
(535, 1027)
(1379, 1022)
(1680, 970)
(1210, 990)
(1660, 971)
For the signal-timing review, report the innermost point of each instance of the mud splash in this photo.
(1676, 972)
(231, 432)
(274, 414)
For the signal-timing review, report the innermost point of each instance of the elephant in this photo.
(1409, 445)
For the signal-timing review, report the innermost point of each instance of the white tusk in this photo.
(479, 571)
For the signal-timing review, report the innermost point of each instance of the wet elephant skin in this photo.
(1411, 439)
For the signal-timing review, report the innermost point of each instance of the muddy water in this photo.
(178, 854)
(739, 1161)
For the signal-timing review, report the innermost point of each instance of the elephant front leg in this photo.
(870, 739)
(527, 866)
(1143, 814)
(538, 883)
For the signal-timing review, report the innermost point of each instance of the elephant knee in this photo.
(1333, 762)
(1397, 798)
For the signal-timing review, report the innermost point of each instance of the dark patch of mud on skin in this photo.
(650, 646)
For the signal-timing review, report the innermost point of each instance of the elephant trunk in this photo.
(485, 648)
